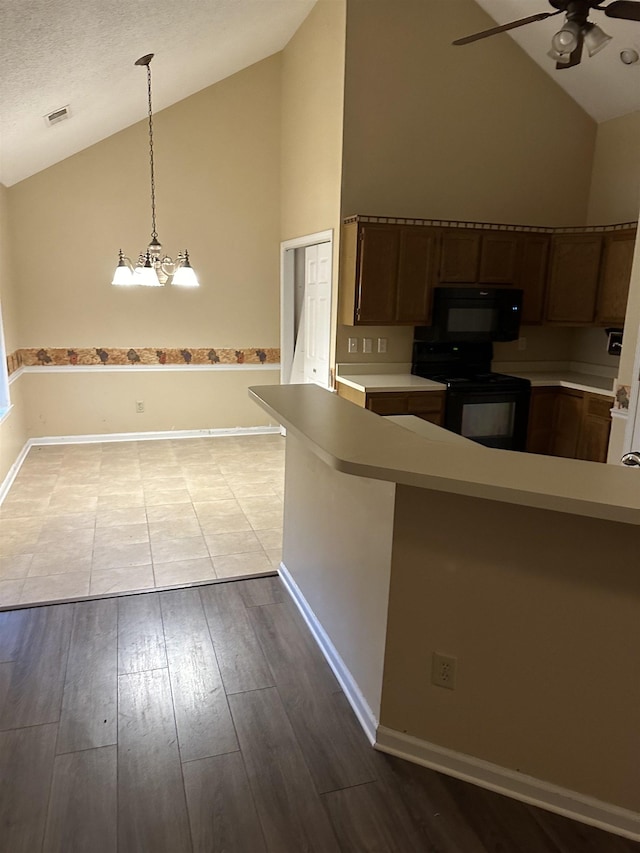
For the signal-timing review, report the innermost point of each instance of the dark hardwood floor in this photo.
(206, 719)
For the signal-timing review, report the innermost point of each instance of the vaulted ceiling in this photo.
(81, 54)
(602, 85)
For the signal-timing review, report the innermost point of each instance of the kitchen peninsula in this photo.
(522, 568)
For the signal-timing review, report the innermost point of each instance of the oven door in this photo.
(493, 418)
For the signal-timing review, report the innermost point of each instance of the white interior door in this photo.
(305, 308)
(316, 314)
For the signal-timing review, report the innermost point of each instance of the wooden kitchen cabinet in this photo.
(387, 274)
(388, 270)
(498, 257)
(428, 405)
(459, 256)
(572, 284)
(566, 423)
(470, 256)
(541, 415)
(416, 275)
(593, 443)
(615, 276)
(531, 275)
(570, 423)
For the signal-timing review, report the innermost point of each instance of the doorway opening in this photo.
(305, 309)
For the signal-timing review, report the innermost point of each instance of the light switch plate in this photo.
(366, 344)
(353, 345)
(382, 344)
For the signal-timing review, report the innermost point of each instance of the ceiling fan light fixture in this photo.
(595, 39)
(566, 40)
(562, 58)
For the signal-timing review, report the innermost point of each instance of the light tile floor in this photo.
(94, 519)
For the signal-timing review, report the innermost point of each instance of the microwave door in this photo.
(472, 318)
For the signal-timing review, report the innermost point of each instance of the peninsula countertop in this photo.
(356, 441)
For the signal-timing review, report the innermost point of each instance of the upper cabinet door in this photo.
(533, 257)
(416, 274)
(573, 278)
(387, 274)
(498, 254)
(459, 256)
(615, 276)
(377, 274)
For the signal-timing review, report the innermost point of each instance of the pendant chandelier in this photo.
(153, 268)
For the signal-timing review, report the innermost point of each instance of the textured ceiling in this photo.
(602, 85)
(82, 53)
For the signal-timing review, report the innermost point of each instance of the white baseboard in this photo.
(351, 690)
(13, 472)
(151, 436)
(124, 436)
(528, 789)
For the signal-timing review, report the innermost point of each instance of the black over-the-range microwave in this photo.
(474, 314)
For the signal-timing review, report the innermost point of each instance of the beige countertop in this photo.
(389, 382)
(355, 441)
(568, 379)
(400, 380)
(429, 430)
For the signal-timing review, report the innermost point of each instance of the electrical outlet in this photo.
(522, 344)
(366, 344)
(353, 345)
(443, 671)
(140, 406)
(382, 344)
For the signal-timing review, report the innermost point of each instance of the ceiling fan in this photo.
(576, 32)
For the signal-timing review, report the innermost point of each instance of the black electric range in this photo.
(486, 407)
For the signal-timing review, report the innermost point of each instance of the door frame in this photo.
(287, 295)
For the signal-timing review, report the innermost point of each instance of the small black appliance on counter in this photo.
(490, 408)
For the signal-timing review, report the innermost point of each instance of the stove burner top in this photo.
(476, 381)
(462, 367)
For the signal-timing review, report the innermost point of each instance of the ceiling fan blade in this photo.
(502, 29)
(574, 57)
(625, 9)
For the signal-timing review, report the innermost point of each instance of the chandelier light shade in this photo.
(153, 268)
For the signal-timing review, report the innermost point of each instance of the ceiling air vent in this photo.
(57, 115)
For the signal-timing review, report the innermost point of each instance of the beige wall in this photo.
(8, 288)
(467, 133)
(474, 132)
(337, 548)
(217, 191)
(12, 429)
(311, 150)
(217, 175)
(312, 104)
(615, 180)
(175, 400)
(545, 639)
(552, 343)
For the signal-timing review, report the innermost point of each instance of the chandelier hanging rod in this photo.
(154, 269)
